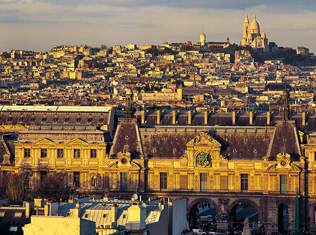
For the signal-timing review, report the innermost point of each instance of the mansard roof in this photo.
(37, 115)
(237, 143)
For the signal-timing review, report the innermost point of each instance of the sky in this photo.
(40, 24)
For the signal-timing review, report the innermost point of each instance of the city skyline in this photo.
(38, 25)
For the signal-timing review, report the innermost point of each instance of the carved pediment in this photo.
(204, 139)
(45, 141)
(284, 163)
(78, 141)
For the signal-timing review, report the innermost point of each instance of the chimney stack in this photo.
(143, 117)
(189, 117)
(173, 117)
(303, 118)
(158, 117)
(234, 118)
(250, 117)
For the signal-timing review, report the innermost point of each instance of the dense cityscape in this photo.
(179, 138)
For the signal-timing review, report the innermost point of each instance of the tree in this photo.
(53, 187)
(16, 191)
(3, 184)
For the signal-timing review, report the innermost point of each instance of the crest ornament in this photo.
(203, 159)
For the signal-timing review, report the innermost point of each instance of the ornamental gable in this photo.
(44, 141)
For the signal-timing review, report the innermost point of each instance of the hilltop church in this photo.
(252, 37)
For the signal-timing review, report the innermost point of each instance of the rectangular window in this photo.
(60, 153)
(314, 156)
(76, 153)
(77, 179)
(43, 153)
(203, 181)
(123, 180)
(244, 181)
(43, 175)
(283, 183)
(163, 181)
(27, 152)
(93, 153)
(183, 182)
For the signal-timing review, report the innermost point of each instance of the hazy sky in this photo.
(39, 24)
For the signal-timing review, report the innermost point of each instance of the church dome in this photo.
(254, 27)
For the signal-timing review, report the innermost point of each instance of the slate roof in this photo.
(10, 220)
(127, 135)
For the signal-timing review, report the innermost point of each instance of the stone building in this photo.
(263, 159)
(252, 36)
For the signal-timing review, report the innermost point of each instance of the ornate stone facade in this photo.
(252, 37)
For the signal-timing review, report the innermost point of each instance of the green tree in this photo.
(16, 191)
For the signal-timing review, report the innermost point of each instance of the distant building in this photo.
(252, 37)
(302, 50)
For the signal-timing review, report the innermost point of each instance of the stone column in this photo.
(223, 214)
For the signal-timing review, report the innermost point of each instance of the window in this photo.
(244, 181)
(283, 183)
(163, 181)
(183, 182)
(77, 179)
(105, 215)
(93, 153)
(43, 153)
(43, 175)
(203, 181)
(86, 215)
(60, 153)
(18, 214)
(123, 180)
(27, 152)
(76, 153)
(314, 156)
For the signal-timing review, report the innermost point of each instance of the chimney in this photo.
(173, 117)
(268, 118)
(114, 211)
(205, 117)
(143, 117)
(189, 117)
(46, 210)
(158, 116)
(77, 210)
(27, 209)
(234, 118)
(250, 118)
(303, 118)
